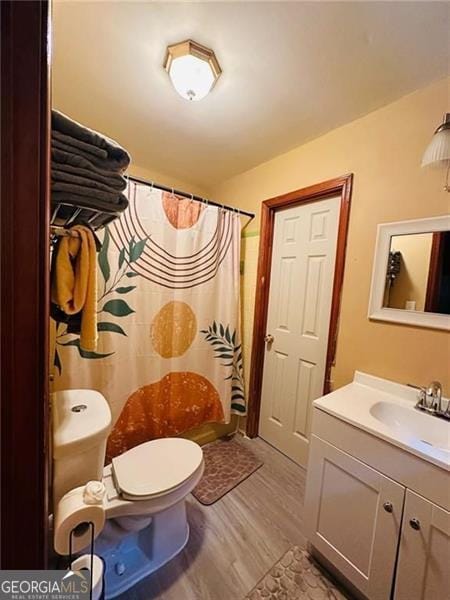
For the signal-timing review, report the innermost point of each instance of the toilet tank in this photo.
(81, 422)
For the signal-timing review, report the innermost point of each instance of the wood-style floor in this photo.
(235, 541)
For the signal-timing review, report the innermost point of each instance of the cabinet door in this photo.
(353, 514)
(423, 571)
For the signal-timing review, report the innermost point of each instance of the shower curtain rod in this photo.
(164, 188)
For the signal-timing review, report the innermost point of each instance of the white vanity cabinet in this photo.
(377, 505)
(354, 515)
(423, 570)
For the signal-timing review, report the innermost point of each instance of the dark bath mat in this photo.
(296, 576)
(227, 463)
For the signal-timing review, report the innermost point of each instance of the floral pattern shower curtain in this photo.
(169, 353)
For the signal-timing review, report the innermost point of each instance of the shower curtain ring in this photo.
(128, 187)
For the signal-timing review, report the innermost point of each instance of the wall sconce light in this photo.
(192, 68)
(438, 151)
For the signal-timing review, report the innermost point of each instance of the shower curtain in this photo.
(169, 352)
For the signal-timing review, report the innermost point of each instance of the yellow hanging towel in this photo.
(74, 285)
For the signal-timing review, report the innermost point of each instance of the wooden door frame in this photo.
(434, 270)
(339, 186)
(24, 230)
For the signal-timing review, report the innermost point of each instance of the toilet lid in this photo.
(156, 467)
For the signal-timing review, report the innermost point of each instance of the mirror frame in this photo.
(377, 311)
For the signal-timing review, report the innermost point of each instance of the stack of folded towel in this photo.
(86, 170)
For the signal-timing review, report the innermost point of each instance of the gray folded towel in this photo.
(88, 202)
(86, 173)
(115, 200)
(86, 178)
(103, 163)
(73, 163)
(116, 159)
(78, 145)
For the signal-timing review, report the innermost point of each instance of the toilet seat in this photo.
(155, 468)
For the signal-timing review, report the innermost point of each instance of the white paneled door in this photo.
(300, 296)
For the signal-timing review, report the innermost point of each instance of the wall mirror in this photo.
(411, 273)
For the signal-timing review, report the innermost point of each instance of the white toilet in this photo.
(146, 487)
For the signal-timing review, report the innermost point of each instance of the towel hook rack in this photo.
(58, 231)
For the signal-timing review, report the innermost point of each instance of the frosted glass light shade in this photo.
(438, 151)
(192, 68)
(191, 77)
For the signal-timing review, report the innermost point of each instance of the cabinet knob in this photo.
(415, 524)
(388, 507)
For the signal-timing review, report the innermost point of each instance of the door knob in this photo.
(268, 338)
(415, 524)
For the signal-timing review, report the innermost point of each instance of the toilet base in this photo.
(139, 554)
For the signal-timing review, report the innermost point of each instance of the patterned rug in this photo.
(296, 576)
(227, 463)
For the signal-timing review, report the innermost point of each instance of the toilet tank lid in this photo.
(81, 419)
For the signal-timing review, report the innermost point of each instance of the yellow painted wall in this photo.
(383, 149)
(411, 282)
(165, 179)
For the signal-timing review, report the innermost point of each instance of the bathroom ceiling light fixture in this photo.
(192, 68)
(438, 151)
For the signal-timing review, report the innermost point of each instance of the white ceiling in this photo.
(291, 71)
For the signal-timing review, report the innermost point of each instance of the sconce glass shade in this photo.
(192, 68)
(438, 151)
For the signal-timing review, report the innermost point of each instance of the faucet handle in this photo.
(419, 388)
(416, 387)
(434, 390)
(430, 400)
(446, 411)
(422, 394)
(430, 397)
(435, 386)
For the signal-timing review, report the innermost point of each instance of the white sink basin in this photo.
(386, 409)
(413, 425)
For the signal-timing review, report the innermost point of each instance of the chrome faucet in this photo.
(434, 391)
(430, 400)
